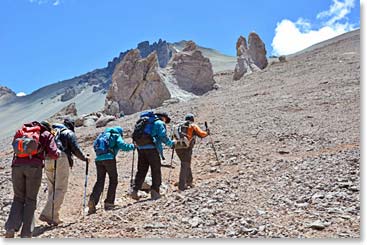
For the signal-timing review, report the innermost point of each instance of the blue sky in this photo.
(45, 41)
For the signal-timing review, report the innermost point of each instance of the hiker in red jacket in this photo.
(26, 178)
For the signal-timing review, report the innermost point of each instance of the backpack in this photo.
(102, 144)
(56, 130)
(26, 140)
(180, 134)
(142, 134)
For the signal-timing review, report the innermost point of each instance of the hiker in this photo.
(106, 162)
(189, 130)
(26, 178)
(67, 143)
(150, 154)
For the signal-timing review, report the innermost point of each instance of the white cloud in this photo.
(21, 94)
(40, 2)
(291, 37)
(337, 11)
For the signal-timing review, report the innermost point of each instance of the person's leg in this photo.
(184, 170)
(61, 184)
(143, 167)
(15, 218)
(155, 166)
(99, 185)
(33, 183)
(113, 176)
(189, 178)
(46, 214)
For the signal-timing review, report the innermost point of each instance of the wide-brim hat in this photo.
(164, 114)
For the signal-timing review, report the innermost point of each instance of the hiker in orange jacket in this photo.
(185, 153)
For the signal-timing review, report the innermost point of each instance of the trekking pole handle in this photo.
(87, 161)
(206, 125)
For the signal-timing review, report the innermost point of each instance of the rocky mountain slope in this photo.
(87, 91)
(288, 141)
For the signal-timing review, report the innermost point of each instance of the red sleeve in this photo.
(50, 146)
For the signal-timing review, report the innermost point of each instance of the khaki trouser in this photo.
(62, 176)
(186, 178)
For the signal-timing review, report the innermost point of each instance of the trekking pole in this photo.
(211, 141)
(170, 169)
(85, 184)
(132, 171)
(53, 192)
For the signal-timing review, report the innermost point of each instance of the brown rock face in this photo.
(245, 64)
(241, 46)
(189, 46)
(251, 58)
(257, 51)
(192, 71)
(136, 84)
(68, 111)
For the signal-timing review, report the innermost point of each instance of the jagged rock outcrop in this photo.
(164, 53)
(136, 84)
(192, 71)
(257, 51)
(69, 94)
(68, 111)
(249, 58)
(6, 94)
(162, 48)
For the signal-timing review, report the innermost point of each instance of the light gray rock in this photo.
(102, 121)
(136, 84)
(192, 71)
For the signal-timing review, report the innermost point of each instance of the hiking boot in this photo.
(26, 236)
(134, 195)
(154, 195)
(191, 185)
(49, 221)
(91, 207)
(108, 206)
(9, 233)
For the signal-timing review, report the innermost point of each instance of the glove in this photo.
(208, 131)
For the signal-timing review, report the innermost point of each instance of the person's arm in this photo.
(51, 147)
(74, 147)
(162, 134)
(124, 146)
(199, 132)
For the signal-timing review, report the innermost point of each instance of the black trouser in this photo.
(185, 156)
(103, 167)
(26, 183)
(146, 158)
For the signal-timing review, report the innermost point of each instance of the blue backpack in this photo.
(102, 145)
(142, 134)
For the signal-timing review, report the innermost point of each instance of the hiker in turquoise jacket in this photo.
(149, 155)
(159, 135)
(118, 145)
(106, 163)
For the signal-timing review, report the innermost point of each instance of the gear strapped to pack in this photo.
(26, 140)
(180, 134)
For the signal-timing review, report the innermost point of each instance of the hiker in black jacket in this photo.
(68, 144)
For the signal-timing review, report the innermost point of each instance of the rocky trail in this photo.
(288, 142)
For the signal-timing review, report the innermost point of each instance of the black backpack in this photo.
(143, 129)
